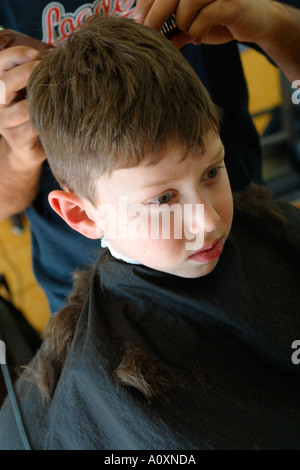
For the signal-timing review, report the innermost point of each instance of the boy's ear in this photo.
(72, 209)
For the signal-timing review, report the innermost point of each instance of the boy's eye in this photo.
(213, 172)
(164, 198)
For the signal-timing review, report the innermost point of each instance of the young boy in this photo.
(185, 334)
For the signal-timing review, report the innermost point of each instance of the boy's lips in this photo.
(208, 252)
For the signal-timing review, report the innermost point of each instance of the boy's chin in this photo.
(203, 269)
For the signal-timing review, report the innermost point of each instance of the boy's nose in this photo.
(202, 218)
(211, 219)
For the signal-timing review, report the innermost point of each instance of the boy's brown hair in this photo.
(111, 96)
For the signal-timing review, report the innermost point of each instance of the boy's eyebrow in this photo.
(155, 183)
(168, 181)
(217, 156)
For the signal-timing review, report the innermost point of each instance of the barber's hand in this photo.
(16, 65)
(209, 21)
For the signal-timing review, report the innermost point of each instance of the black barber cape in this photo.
(226, 339)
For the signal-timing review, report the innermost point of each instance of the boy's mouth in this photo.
(208, 252)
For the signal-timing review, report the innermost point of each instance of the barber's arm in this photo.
(273, 26)
(21, 157)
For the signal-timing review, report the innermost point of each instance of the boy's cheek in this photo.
(159, 254)
(226, 210)
(230, 212)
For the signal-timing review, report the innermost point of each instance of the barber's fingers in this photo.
(142, 9)
(154, 13)
(13, 56)
(180, 40)
(15, 79)
(187, 11)
(13, 116)
(211, 23)
(220, 21)
(16, 64)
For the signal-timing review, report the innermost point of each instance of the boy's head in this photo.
(116, 108)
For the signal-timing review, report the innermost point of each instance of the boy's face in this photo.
(162, 215)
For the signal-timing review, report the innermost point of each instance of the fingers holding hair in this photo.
(154, 13)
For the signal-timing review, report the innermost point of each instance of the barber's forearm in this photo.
(18, 184)
(282, 42)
